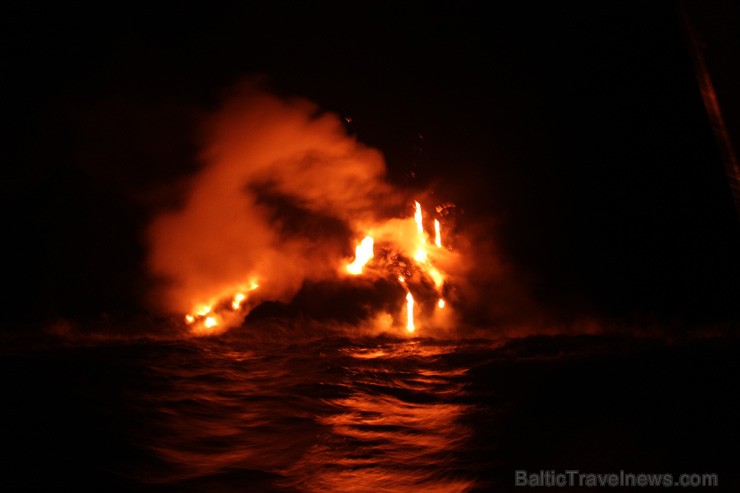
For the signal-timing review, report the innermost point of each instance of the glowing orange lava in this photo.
(363, 254)
(203, 310)
(410, 312)
(205, 317)
(411, 244)
(406, 254)
(238, 298)
(417, 218)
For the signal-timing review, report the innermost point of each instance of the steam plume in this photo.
(280, 185)
(283, 197)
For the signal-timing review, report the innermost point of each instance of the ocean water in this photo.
(278, 409)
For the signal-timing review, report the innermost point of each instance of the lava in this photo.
(409, 244)
(403, 241)
(418, 218)
(363, 254)
(238, 298)
(281, 188)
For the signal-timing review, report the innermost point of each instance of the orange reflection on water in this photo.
(374, 417)
(398, 431)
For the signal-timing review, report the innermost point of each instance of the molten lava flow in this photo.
(421, 252)
(238, 298)
(407, 257)
(408, 254)
(410, 312)
(363, 254)
(203, 310)
(281, 185)
(417, 218)
(205, 317)
(436, 276)
(199, 313)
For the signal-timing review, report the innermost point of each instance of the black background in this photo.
(579, 129)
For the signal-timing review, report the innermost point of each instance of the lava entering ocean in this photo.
(406, 256)
(283, 191)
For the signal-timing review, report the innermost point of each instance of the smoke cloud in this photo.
(280, 185)
(284, 195)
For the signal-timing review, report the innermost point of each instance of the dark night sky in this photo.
(579, 129)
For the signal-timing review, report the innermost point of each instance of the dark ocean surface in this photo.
(278, 409)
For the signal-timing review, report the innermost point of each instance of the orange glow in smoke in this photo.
(410, 313)
(363, 254)
(210, 322)
(441, 303)
(437, 234)
(189, 319)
